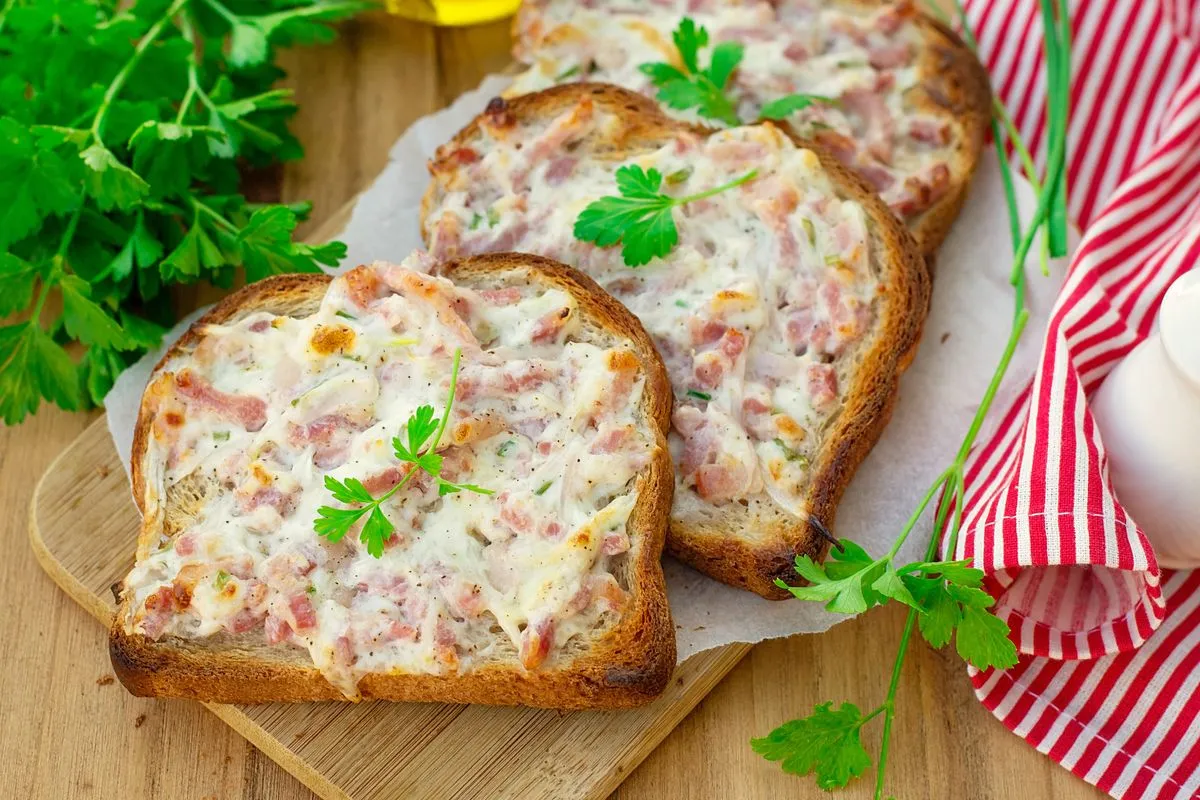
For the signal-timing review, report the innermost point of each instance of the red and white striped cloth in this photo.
(1109, 680)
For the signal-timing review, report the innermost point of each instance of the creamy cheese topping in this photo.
(757, 312)
(265, 407)
(864, 56)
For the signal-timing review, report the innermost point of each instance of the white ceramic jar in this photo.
(1148, 414)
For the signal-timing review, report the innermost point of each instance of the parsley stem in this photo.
(749, 176)
(230, 17)
(437, 437)
(200, 206)
(920, 510)
(889, 705)
(118, 82)
(8, 6)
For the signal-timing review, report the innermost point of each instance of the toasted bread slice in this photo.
(910, 101)
(611, 644)
(760, 472)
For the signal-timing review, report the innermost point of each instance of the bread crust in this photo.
(952, 85)
(629, 666)
(747, 549)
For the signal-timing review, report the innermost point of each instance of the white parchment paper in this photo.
(965, 334)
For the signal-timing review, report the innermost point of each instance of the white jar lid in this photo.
(1179, 325)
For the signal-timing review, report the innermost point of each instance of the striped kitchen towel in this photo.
(1108, 684)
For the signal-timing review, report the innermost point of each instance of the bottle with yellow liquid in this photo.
(453, 12)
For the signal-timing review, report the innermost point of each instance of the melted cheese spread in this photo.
(863, 57)
(757, 312)
(265, 407)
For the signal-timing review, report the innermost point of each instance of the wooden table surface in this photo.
(70, 731)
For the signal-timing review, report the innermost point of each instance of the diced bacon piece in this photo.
(719, 482)
(893, 16)
(842, 146)
(303, 613)
(736, 153)
(552, 529)
(185, 545)
(608, 593)
(278, 630)
(330, 434)
(283, 502)
(161, 600)
(877, 126)
(251, 412)
(610, 440)
(242, 621)
(930, 131)
(774, 203)
(879, 177)
(560, 169)
(363, 286)
(465, 600)
(614, 543)
(795, 52)
(462, 155)
(753, 405)
(153, 625)
(501, 297)
(922, 190)
(545, 448)
(705, 331)
(509, 238)
(521, 376)
(396, 630)
(548, 327)
(514, 515)
(536, 641)
(446, 306)
(474, 429)
(382, 481)
(733, 343)
(889, 55)
(343, 651)
(459, 461)
(445, 643)
(708, 369)
(822, 384)
(445, 236)
(624, 365)
(745, 34)
(699, 438)
(241, 567)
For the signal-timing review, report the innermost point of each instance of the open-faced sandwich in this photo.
(892, 93)
(784, 297)
(408, 487)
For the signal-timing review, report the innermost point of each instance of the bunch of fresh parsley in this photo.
(424, 433)
(123, 130)
(706, 89)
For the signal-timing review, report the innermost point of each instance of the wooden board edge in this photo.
(730, 656)
(50, 565)
(275, 750)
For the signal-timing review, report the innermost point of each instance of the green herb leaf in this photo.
(17, 276)
(699, 395)
(377, 531)
(109, 182)
(350, 490)
(693, 87)
(826, 744)
(982, 640)
(334, 523)
(221, 579)
(783, 107)
(85, 320)
(640, 219)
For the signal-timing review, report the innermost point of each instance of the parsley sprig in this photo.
(420, 450)
(640, 219)
(123, 128)
(705, 89)
(945, 598)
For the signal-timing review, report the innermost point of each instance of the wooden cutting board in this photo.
(83, 528)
